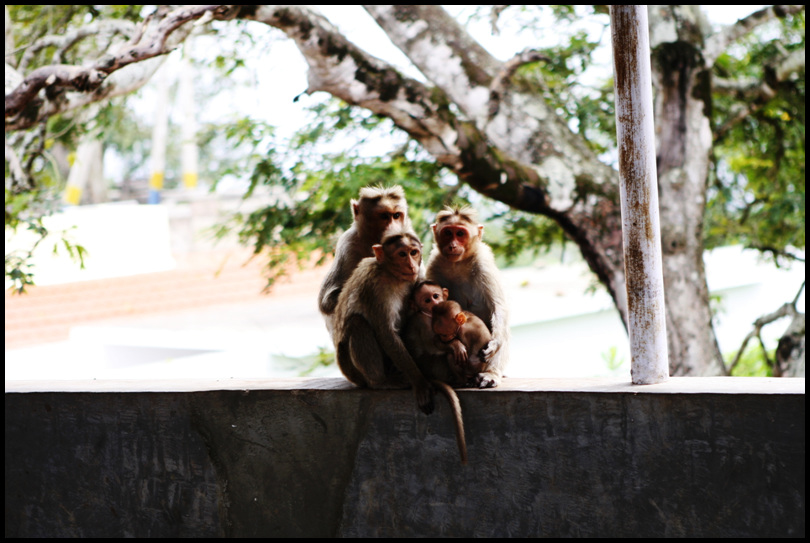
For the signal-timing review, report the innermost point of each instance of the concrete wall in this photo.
(317, 458)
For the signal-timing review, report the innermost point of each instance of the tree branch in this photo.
(498, 87)
(14, 166)
(443, 51)
(151, 42)
(524, 125)
(64, 42)
(752, 93)
(791, 64)
(718, 42)
(342, 69)
(788, 309)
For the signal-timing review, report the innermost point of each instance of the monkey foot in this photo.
(488, 380)
(424, 398)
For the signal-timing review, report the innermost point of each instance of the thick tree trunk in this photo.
(790, 351)
(682, 103)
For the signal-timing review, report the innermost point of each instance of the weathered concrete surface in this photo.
(690, 457)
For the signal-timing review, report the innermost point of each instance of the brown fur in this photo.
(369, 350)
(432, 360)
(463, 335)
(466, 266)
(376, 210)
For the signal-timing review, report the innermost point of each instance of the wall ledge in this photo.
(675, 385)
(319, 457)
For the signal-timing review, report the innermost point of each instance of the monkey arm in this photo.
(459, 351)
(456, 347)
(347, 256)
(499, 324)
(395, 349)
(497, 352)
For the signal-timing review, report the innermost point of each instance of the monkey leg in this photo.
(344, 361)
(364, 360)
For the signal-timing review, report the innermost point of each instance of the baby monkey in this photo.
(456, 360)
(465, 336)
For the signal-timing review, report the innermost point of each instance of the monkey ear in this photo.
(355, 207)
(461, 318)
(445, 293)
(378, 252)
(433, 227)
(480, 231)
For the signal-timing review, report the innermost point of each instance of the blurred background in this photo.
(150, 267)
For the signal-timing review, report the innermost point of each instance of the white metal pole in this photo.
(641, 232)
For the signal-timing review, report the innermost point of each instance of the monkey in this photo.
(465, 336)
(432, 360)
(429, 354)
(461, 261)
(367, 318)
(376, 210)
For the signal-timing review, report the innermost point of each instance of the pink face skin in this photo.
(454, 241)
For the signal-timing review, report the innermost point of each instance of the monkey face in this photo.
(407, 261)
(454, 241)
(384, 215)
(445, 327)
(401, 256)
(428, 296)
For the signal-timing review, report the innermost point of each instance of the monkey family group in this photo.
(397, 323)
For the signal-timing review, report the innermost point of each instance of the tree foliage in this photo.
(310, 190)
(757, 196)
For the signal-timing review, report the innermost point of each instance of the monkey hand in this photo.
(424, 396)
(488, 379)
(459, 352)
(492, 347)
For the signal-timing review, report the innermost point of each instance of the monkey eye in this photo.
(435, 296)
(415, 252)
(396, 216)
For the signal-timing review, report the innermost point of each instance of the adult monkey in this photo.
(376, 210)
(367, 319)
(463, 263)
(368, 315)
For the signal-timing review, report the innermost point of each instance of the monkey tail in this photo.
(455, 405)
